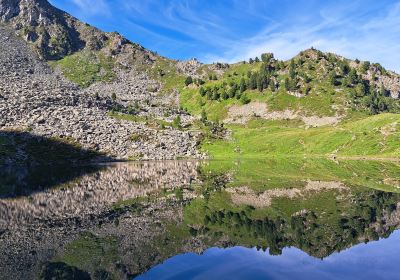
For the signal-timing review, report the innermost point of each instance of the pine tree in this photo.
(224, 94)
(271, 85)
(216, 95)
(266, 57)
(353, 78)
(360, 90)
(209, 94)
(365, 66)
(383, 91)
(287, 86)
(232, 91)
(292, 70)
(260, 83)
(188, 80)
(253, 81)
(242, 85)
(202, 91)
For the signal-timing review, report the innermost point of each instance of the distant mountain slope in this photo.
(311, 84)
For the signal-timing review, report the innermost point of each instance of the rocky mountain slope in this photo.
(37, 99)
(55, 34)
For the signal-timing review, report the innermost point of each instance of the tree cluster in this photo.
(261, 80)
(189, 80)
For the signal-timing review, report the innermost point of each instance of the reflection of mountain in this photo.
(94, 193)
(20, 180)
(42, 223)
(114, 222)
(318, 228)
(318, 217)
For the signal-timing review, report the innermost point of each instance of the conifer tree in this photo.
(242, 85)
(292, 70)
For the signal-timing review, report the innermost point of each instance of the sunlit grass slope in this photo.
(373, 136)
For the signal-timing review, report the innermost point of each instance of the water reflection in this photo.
(22, 180)
(120, 220)
(363, 261)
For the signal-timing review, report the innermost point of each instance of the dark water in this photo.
(273, 219)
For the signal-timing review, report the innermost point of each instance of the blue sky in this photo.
(234, 30)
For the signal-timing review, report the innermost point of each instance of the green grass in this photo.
(272, 173)
(90, 253)
(260, 139)
(165, 71)
(85, 68)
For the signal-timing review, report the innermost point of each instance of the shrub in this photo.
(188, 80)
(177, 122)
(244, 99)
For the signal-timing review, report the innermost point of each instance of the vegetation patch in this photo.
(85, 68)
(260, 139)
(91, 253)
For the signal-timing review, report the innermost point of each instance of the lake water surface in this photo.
(270, 219)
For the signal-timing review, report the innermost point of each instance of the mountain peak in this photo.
(56, 34)
(31, 12)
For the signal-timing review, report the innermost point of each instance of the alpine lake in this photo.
(278, 218)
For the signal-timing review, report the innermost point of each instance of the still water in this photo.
(272, 219)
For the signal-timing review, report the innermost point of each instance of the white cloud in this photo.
(376, 39)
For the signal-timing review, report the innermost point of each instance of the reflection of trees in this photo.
(362, 219)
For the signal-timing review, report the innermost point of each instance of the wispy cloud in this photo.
(344, 31)
(93, 7)
(235, 30)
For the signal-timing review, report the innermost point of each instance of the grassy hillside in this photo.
(313, 83)
(373, 136)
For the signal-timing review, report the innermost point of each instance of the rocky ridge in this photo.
(34, 98)
(55, 34)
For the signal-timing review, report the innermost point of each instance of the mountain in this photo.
(36, 98)
(55, 34)
(66, 80)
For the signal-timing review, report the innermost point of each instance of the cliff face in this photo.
(56, 34)
(53, 32)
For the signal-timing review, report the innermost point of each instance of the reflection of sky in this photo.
(375, 260)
